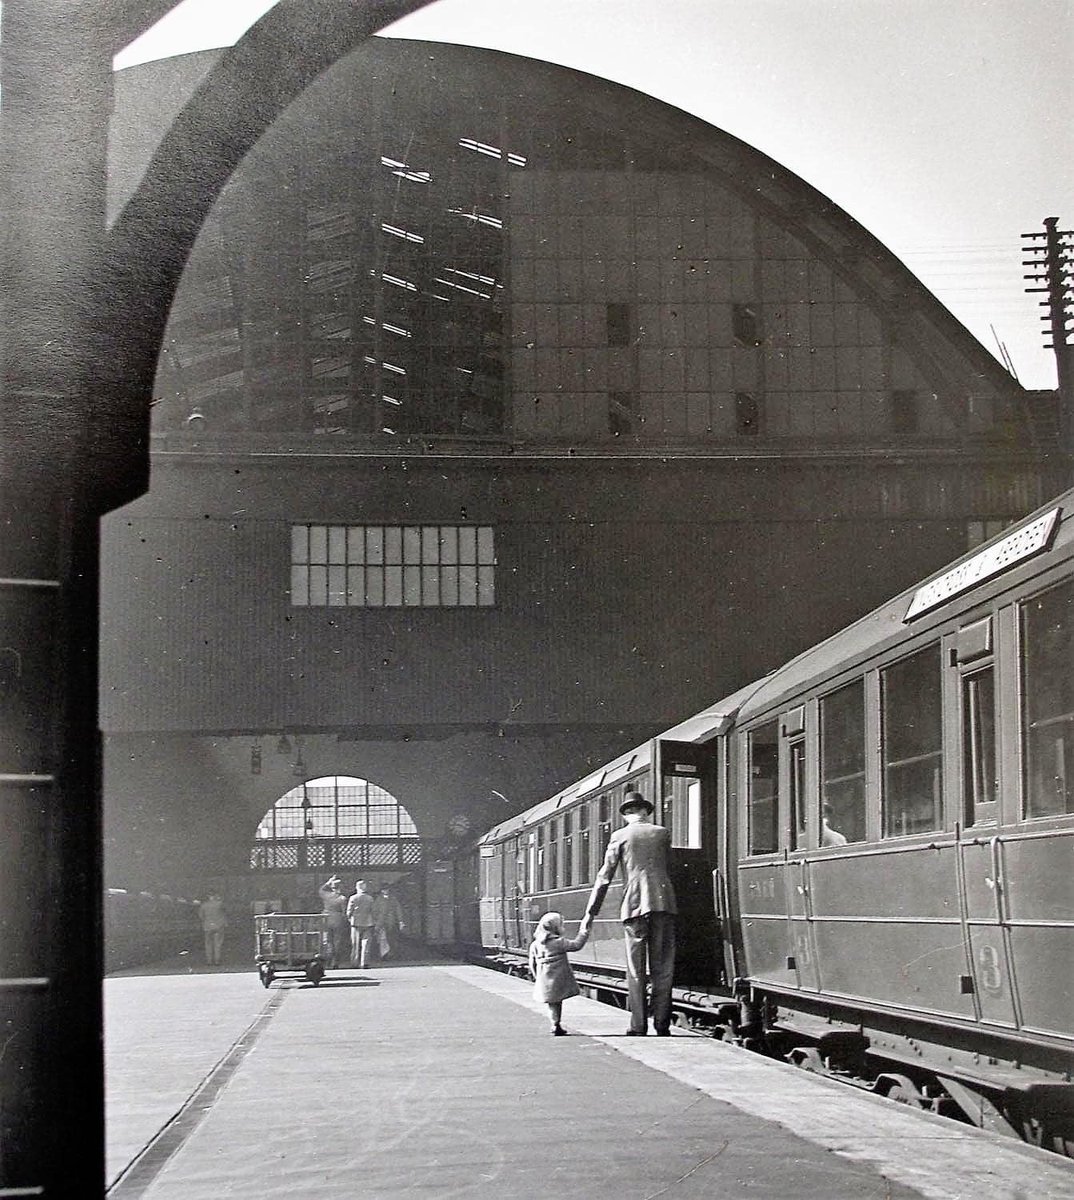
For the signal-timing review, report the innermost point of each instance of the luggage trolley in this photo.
(290, 942)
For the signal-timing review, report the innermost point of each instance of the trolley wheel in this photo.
(266, 973)
(315, 973)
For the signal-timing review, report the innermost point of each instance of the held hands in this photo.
(587, 923)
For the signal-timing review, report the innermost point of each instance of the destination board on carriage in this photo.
(992, 560)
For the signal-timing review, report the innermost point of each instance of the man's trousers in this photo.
(650, 955)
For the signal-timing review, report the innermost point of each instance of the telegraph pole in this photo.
(1050, 255)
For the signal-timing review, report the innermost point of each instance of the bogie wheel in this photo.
(807, 1058)
(904, 1092)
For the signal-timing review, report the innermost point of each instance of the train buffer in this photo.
(440, 1079)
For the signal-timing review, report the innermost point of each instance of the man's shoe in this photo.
(663, 1033)
(559, 1031)
(636, 1032)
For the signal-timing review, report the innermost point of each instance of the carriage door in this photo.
(505, 877)
(518, 891)
(971, 699)
(687, 778)
(801, 955)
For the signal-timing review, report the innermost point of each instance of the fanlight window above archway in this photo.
(336, 806)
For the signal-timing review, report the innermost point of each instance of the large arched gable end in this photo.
(916, 320)
(247, 89)
(225, 117)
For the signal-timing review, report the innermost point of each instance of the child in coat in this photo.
(554, 980)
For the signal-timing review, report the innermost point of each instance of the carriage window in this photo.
(644, 786)
(764, 789)
(796, 779)
(584, 862)
(533, 878)
(553, 856)
(842, 766)
(1048, 705)
(520, 866)
(605, 821)
(978, 742)
(487, 871)
(568, 849)
(542, 874)
(912, 735)
(682, 811)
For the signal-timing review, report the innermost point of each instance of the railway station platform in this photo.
(437, 1080)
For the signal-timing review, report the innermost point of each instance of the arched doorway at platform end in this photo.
(334, 825)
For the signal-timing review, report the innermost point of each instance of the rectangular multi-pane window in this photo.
(912, 737)
(337, 809)
(745, 325)
(905, 415)
(842, 765)
(393, 566)
(1047, 627)
(622, 413)
(764, 789)
(620, 324)
(747, 414)
(980, 531)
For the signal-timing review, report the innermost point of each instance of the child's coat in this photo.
(553, 978)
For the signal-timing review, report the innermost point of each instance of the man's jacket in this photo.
(642, 851)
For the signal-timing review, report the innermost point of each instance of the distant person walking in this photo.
(334, 907)
(553, 979)
(648, 911)
(213, 922)
(390, 923)
(361, 913)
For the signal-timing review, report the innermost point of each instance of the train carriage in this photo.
(547, 857)
(903, 836)
(873, 845)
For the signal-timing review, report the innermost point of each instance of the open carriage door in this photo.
(685, 778)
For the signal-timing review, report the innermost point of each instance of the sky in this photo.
(942, 126)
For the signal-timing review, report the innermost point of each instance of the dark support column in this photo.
(60, 460)
(80, 326)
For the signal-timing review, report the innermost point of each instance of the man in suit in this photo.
(361, 915)
(648, 910)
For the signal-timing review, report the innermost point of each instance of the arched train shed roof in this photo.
(444, 109)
